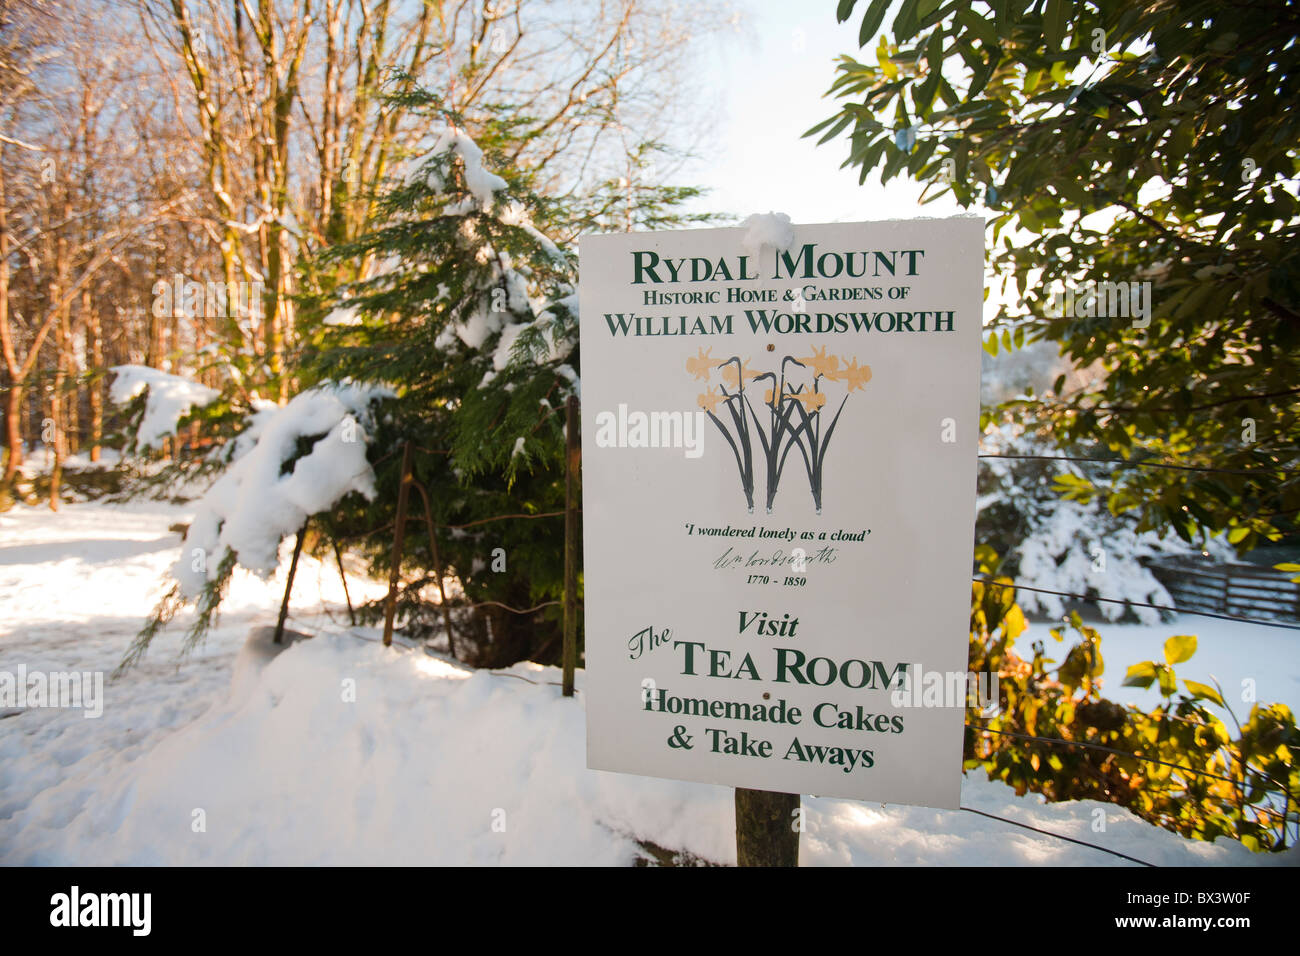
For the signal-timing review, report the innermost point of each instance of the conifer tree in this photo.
(458, 299)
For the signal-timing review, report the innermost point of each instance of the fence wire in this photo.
(1049, 741)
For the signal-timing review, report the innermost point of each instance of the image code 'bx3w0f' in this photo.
(779, 448)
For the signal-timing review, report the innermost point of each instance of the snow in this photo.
(1055, 558)
(344, 315)
(286, 769)
(480, 183)
(772, 229)
(252, 506)
(558, 346)
(516, 215)
(1070, 546)
(505, 345)
(1254, 658)
(476, 330)
(170, 399)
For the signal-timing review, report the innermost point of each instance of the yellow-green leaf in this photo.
(1168, 682)
(1180, 648)
(1197, 689)
(1140, 675)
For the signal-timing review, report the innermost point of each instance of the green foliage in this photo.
(1169, 119)
(434, 287)
(434, 260)
(454, 275)
(639, 200)
(1178, 766)
(171, 603)
(1172, 119)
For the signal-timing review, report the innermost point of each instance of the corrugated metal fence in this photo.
(1238, 589)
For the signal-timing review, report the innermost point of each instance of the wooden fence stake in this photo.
(573, 461)
(437, 566)
(288, 585)
(766, 828)
(343, 576)
(399, 532)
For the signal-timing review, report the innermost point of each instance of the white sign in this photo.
(779, 450)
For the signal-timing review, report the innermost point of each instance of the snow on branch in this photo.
(449, 140)
(170, 398)
(267, 493)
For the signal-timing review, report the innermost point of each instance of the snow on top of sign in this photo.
(170, 399)
(253, 505)
(767, 229)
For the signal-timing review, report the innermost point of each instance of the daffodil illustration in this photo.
(855, 376)
(730, 374)
(709, 401)
(821, 363)
(811, 401)
(700, 365)
(798, 415)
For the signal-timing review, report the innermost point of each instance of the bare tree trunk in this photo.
(72, 384)
(95, 359)
(61, 346)
(57, 421)
(13, 433)
(14, 396)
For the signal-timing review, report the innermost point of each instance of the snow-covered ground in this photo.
(1251, 662)
(342, 751)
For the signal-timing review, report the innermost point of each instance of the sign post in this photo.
(573, 464)
(767, 833)
(780, 438)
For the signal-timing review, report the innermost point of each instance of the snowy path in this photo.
(431, 763)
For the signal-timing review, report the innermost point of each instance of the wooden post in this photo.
(573, 461)
(288, 585)
(767, 828)
(343, 576)
(399, 532)
(437, 566)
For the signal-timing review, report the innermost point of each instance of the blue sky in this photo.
(767, 79)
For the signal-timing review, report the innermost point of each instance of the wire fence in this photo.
(397, 526)
(1288, 819)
